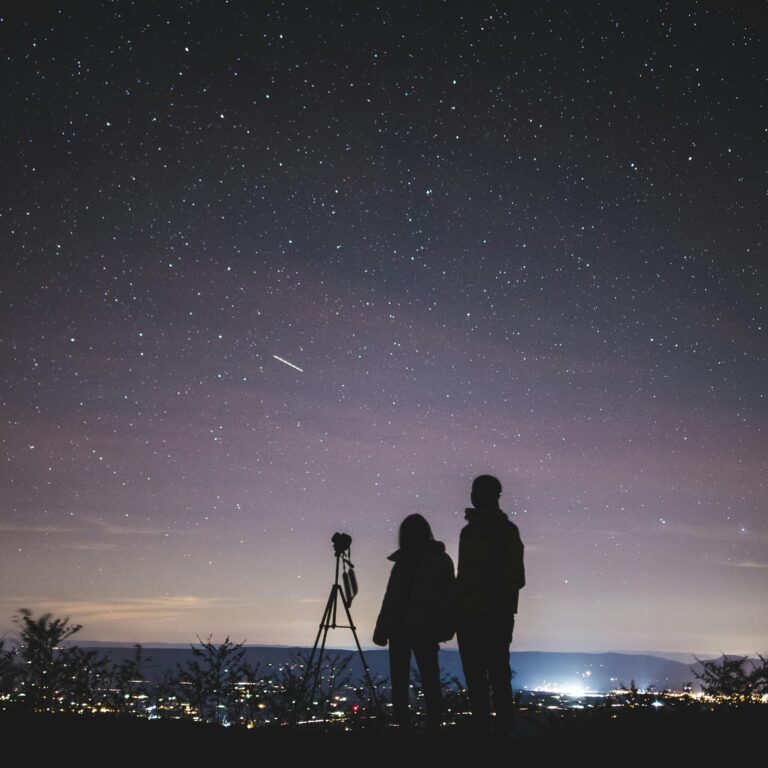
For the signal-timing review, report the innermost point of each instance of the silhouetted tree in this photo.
(726, 677)
(129, 691)
(86, 678)
(368, 712)
(336, 678)
(759, 676)
(248, 704)
(281, 691)
(208, 682)
(10, 671)
(165, 699)
(48, 670)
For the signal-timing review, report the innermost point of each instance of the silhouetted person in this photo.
(490, 576)
(416, 614)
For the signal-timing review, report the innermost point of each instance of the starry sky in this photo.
(526, 239)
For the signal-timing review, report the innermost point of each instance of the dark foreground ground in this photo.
(726, 736)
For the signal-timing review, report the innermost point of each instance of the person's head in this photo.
(486, 490)
(414, 532)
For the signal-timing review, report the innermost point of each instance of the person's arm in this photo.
(448, 607)
(380, 633)
(462, 538)
(514, 568)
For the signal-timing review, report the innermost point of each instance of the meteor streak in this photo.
(287, 363)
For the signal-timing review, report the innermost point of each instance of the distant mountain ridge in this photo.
(534, 670)
(683, 658)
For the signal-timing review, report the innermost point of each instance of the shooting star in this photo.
(287, 363)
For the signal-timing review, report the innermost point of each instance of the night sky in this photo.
(526, 239)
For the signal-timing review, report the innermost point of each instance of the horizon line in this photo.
(184, 645)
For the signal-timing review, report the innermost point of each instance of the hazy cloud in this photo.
(164, 607)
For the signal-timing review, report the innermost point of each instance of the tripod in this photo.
(328, 621)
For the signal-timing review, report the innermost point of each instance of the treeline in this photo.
(46, 672)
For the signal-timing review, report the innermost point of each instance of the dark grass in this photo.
(725, 734)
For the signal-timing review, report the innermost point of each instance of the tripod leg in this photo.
(318, 669)
(323, 625)
(300, 703)
(330, 610)
(366, 669)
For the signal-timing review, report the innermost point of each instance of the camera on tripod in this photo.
(341, 543)
(346, 590)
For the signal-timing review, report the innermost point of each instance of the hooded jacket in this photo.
(420, 596)
(491, 572)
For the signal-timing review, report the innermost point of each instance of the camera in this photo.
(341, 543)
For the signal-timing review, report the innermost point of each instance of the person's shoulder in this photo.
(512, 534)
(442, 562)
(507, 528)
(446, 559)
(437, 551)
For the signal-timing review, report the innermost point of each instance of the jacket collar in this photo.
(484, 515)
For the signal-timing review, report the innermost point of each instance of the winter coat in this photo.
(491, 571)
(430, 602)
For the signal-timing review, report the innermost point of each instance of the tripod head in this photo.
(342, 545)
(342, 542)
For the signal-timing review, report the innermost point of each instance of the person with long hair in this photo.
(417, 614)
